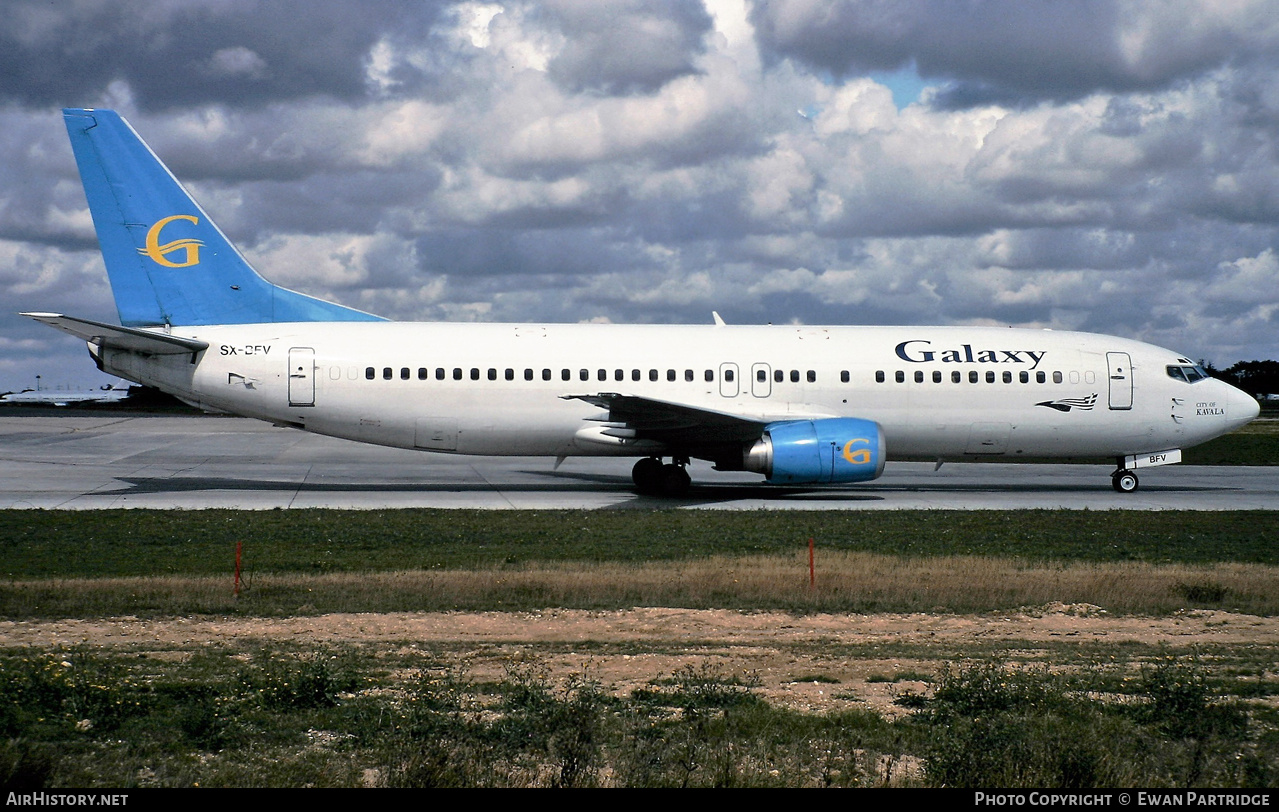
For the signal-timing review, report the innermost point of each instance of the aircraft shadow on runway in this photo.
(564, 482)
(570, 482)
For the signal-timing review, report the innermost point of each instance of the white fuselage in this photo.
(500, 389)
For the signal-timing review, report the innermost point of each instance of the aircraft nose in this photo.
(1241, 407)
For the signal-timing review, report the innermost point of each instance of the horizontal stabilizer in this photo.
(125, 338)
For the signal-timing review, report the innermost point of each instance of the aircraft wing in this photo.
(127, 338)
(640, 418)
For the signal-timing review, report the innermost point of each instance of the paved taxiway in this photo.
(124, 461)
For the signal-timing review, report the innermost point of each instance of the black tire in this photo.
(675, 481)
(647, 475)
(1124, 481)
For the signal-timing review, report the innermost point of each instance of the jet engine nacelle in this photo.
(837, 449)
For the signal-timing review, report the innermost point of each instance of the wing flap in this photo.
(672, 423)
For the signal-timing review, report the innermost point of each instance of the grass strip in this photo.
(113, 543)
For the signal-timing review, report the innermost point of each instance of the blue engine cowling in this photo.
(799, 452)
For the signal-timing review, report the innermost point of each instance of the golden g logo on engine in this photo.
(187, 247)
(858, 456)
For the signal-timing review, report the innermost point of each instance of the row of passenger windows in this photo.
(991, 377)
(475, 374)
(672, 375)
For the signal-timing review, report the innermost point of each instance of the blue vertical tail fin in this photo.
(168, 263)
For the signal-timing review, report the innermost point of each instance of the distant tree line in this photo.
(1255, 377)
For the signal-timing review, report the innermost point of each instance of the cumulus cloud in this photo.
(1016, 53)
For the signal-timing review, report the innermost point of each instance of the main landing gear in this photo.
(655, 479)
(1124, 481)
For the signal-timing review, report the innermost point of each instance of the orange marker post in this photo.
(812, 571)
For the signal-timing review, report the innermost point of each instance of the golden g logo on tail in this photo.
(860, 456)
(160, 253)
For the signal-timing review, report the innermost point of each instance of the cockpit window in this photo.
(1190, 374)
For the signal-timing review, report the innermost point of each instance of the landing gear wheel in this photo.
(647, 475)
(1124, 481)
(675, 480)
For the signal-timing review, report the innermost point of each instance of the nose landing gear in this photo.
(652, 478)
(1124, 481)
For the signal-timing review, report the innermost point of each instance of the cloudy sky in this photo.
(1103, 166)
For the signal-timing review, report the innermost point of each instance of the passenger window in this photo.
(1056, 377)
(510, 374)
(843, 376)
(528, 374)
(919, 376)
(635, 375)
(956, 377)
(812, 376)
(972, 376)
(779, 376)
(728, 375)
(619, 374)
(475, 373)
(901, 376)
(584, 374)
(546, 374)
(602, 374)
(761, 375)
(794, 376)
(1040, 377)
(386, 373)
(1024, 377)
(370, 373)
(566, 374)
(990, 377)
(670, 374)
(710, 376)
(1008, 377)
(936, 376)
(404, 373)
(421, 373)
(688, 375)
(492, 374)
(652, 374)
(879, 376)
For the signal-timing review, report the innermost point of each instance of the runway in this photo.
(124, 461)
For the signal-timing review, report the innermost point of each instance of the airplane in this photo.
(65, 397)
(799, 405)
